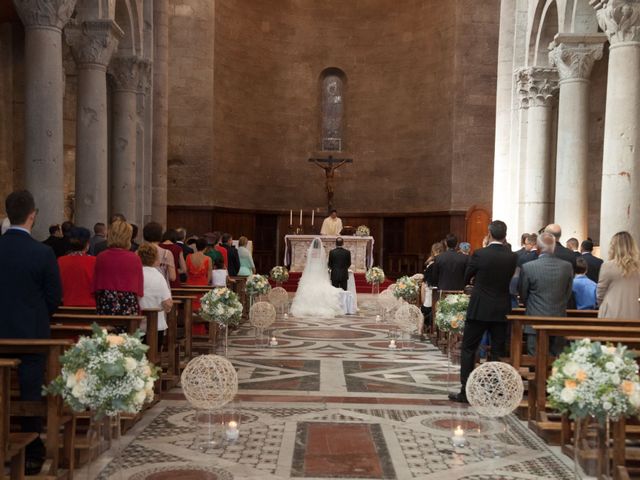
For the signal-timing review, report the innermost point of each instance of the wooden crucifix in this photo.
(330, 165)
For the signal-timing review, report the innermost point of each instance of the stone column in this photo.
(537, 87)
(620, 208)
(44, 91)
(144, 104)
(92, 44)
(574, 56)
(160, 110)
(126, 79)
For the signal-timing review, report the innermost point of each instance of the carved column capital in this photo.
(619, 19)
(125, 73)
(144, 73)
(93, 42)
(537, 86)
(48, 13)
(574, 55)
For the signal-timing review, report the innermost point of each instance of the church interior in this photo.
(428, 120)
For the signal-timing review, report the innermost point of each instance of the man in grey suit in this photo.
(545, 286)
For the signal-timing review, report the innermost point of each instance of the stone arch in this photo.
(583, 17)
(545, 26)
(128, 16)
(332, 83)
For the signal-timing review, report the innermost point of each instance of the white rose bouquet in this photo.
(363, 231)
(591, 379)
(108, 374)
(279, 274)
(257, 285)
(406, 288)
(451, 313)
(375, 275)
(222, 306)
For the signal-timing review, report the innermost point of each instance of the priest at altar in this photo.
(332, 225)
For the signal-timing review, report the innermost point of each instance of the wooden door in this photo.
(477, 221)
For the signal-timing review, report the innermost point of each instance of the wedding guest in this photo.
(233, 263)
(54, 240)
(169, 240)
(214, 240)
(99, 236)
(584, 289)
(134, 235)
(491, 268)
(427, 312)
(198, 274)
(182, 235)
(465, 248)
(152, 233)
(220, 275)
(77, 270)
(449, 267)
(531, 247)
(212, 251)
(523, 246)
(560, 252)
(118, 280)
(545, 286)
(594, 263)
(66, 228)
(573, 245)
(30, 292)
(619, 284)
(247, 267)
(102, 246)
(156, 290)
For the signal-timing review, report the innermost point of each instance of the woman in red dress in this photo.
(169, 240)
(77, 270)
(199, 274)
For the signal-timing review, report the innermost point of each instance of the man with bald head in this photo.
(561, 252)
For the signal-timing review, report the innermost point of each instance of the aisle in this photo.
(331, 401)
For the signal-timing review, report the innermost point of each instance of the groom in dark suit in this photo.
(339, 263)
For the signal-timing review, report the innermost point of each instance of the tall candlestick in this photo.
(313, 216)
(290, 217)
(300, 217)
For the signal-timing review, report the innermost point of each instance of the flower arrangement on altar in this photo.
(279, 274)
(406, 288)
(375, 276)
(257, 285)
(109, 374)
(222, 306)
(592, 379)
(452, 312)
(363, 231)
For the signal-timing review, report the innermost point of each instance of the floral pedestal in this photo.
(591, 448)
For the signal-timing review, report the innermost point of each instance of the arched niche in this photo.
(128, 16)
(544, 28)
(332, 102)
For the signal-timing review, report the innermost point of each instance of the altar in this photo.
(296, 246)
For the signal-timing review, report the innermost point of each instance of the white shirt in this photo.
(156, 291)
(219, 278)
(331, 226)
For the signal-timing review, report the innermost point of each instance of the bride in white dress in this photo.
(316, 297)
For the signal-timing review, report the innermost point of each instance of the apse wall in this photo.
(399, 59)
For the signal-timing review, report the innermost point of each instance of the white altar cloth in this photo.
(296, 246)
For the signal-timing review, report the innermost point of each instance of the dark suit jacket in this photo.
(593, 266)
(30, 286)
(448, 270)
(545, 286)
(563, 253)
(530, 256)
(492, 267)
(339, 263)
(186, 249)
(234, 260)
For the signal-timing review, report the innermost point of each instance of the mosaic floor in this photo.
(331, 401)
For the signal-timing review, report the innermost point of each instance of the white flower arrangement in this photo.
(257, 285)
(451, 313)
(222, 306)
(375, 276)
(279, 274)
(108, 374)
(363, 231)
(592, 379)
(406, 288)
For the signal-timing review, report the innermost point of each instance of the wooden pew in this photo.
(570, 312)
(51, 407)
(12, 445)
(186, 307)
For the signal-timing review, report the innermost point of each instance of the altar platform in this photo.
(362, 286)
(296, 247)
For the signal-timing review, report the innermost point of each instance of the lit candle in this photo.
(378, 318)
(392, 344)
(286, 315)
(300, 217)
(458, 439)
(274, 342)
(290, 217)
(232, 430)
(313, 216)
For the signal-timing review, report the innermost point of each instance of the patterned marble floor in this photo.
(332, 401)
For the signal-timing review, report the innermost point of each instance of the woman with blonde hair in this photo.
(247, 267)
(118, 279)
(619, 281)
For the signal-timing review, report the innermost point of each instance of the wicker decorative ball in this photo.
(209, 382)
(262, 315)
(408, 318)
(387, 301)
(494, 389)
(278, 297)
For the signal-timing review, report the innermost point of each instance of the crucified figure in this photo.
(330, 165)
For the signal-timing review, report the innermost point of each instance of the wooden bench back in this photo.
(5, 401)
